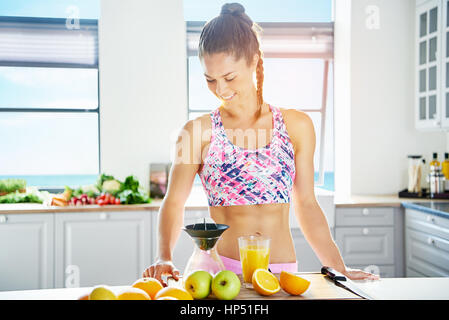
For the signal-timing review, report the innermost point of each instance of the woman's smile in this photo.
(228, 97)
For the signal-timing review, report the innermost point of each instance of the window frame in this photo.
(291, 31)
(90, 23)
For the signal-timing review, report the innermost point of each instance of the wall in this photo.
(143, 94)
(381, 99)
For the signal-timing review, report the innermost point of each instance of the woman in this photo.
(250, 170)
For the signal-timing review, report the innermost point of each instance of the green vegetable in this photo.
(131, 193)
(11, 185)
(17, 197)
(111, 186)
(101, 179)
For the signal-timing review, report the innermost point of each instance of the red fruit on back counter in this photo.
(117, 201)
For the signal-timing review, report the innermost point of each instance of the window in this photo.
(49, 98)
(298, 66)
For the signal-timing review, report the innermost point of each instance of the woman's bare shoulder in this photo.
(299, 126)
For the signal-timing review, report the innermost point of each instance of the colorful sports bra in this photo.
(232, 175)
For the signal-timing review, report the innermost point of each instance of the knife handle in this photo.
(331, 273)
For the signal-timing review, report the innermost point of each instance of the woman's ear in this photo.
(254, 62)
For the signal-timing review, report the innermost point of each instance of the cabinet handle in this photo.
(365, 231)
(430, 241)
(104, 216)
(365, 211)
(3, 219)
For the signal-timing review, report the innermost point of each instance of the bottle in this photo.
(445, 170)
(434, 164)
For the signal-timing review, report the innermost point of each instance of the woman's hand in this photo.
(159, 268)
(357, 274)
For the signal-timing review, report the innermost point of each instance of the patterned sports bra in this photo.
(232, 175)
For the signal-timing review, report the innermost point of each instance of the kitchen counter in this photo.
(383, 289)
(436, 208)
(388, 200)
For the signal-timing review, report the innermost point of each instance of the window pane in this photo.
(432, 106)
(422, 80)
(433, 78)
(268, 11)
(422, 52)
(23, 87)
(293, 83)
(422, 108)
(46, 143)
(84, 9)
(432, 49)
(433, 20)
(423, 24)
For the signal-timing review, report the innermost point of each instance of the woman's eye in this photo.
(210, 81)
(230, 79)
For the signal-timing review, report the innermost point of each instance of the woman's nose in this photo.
(221, 89)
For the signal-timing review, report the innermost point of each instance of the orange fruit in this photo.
(293, 284)
(84, 297)
(149, 285)
(133, 294)
(167, 298)
(177, 293)
(265, 283)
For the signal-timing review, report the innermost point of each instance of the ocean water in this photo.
(56, 181)
(74, 181)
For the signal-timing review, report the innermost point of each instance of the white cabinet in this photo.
(371, 238)
(427, 244)
(432, 65)
(26, 251)
(101, 248)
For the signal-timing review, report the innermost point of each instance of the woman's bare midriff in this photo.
(270, 220)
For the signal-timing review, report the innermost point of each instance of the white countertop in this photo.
(383, 289)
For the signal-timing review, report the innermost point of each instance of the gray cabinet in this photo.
(101, 248)
(26, 254)
(371, 238)
(427, 244)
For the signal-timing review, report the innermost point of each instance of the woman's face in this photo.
(229, 80)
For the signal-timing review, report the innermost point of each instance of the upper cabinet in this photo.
(432, 65)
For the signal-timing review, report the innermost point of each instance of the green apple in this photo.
(198, 284)
(102, 292)
(226, 285)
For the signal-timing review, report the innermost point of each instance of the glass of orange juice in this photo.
(254, 254)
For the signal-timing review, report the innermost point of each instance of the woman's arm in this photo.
(310, 217)
(171, 214)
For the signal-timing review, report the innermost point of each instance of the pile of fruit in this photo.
(225, 285)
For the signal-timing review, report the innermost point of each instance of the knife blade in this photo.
(341, 281)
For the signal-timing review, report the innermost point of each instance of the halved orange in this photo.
(265, 283)
(149, 285)
(293, 284)
(178, 293)
(133, 294)
(167, 298)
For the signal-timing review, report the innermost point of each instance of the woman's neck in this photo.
(247, 109)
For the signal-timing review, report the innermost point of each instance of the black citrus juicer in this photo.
(205, 256)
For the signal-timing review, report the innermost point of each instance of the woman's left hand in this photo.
(357, 274)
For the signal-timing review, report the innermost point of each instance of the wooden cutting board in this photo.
(320, 288)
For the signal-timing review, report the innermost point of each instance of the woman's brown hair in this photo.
(233, 32)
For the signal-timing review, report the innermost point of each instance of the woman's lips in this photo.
(228, 97)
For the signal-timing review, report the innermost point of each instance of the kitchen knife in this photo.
(341, 281)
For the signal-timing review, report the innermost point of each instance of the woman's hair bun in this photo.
(236, 9)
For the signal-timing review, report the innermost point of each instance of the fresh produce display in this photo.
(12, 185)
(31, 195)
(292, 283)
(264, 282)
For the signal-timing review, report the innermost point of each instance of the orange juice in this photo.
(253, 257)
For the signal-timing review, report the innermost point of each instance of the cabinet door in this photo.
(366, 246)
(445, 66)
(428, 55)
(101, 248)
(26, 254)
